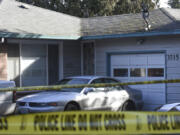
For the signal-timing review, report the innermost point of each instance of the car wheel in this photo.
(72, 107)
(128, 106)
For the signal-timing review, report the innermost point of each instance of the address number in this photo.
(173, 57)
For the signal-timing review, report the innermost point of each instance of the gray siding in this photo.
(170, 44)
(71, 58)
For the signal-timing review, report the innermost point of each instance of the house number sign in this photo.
(173, 57)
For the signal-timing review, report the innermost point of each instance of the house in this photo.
(33, 40)
(39, 47)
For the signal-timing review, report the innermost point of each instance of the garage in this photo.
(142, 67)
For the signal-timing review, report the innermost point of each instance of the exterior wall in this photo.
(34, 50)
(71, 58)
(169, 44)
(3, 62)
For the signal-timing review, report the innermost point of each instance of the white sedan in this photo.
(103, 98)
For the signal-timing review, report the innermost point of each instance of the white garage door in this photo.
(142, 67)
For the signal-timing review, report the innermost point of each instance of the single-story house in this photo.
(39, 47)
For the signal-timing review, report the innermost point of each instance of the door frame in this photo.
(82, 55)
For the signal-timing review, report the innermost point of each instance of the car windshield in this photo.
(72, 81)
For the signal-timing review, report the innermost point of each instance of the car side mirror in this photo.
(87, 90)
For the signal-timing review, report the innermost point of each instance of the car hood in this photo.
(168, 107)
(51, 96)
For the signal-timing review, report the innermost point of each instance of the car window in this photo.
(72, 81)
(99, 89)
(97, 81)
(108, 80)
(61, 82)
(78, 81)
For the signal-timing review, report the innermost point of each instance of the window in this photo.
(138, 72)
(156, 72)
(121, 72)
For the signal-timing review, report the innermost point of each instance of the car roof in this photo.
(89, 77)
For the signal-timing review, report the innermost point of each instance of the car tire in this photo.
(128, 106)
(72, 107)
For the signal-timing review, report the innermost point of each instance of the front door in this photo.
(53, 64)
(88, 58)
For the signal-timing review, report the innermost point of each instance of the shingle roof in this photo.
(35, 22)
(174, 13)
(130, 23)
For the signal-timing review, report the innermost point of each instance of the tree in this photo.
(174, 3)
(55, 5)
(89, 8)
(131, 6)
(73, 7)
(99, 7)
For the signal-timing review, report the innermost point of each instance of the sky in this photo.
(163, 3)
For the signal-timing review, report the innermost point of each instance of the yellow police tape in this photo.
(82, 123)
(59, 87)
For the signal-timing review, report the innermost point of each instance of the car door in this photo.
(115, 95)
(95, 99)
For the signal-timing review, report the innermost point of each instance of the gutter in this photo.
(37, 36)
(140, 34)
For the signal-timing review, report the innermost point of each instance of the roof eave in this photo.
(139, 34)
(37, 36)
